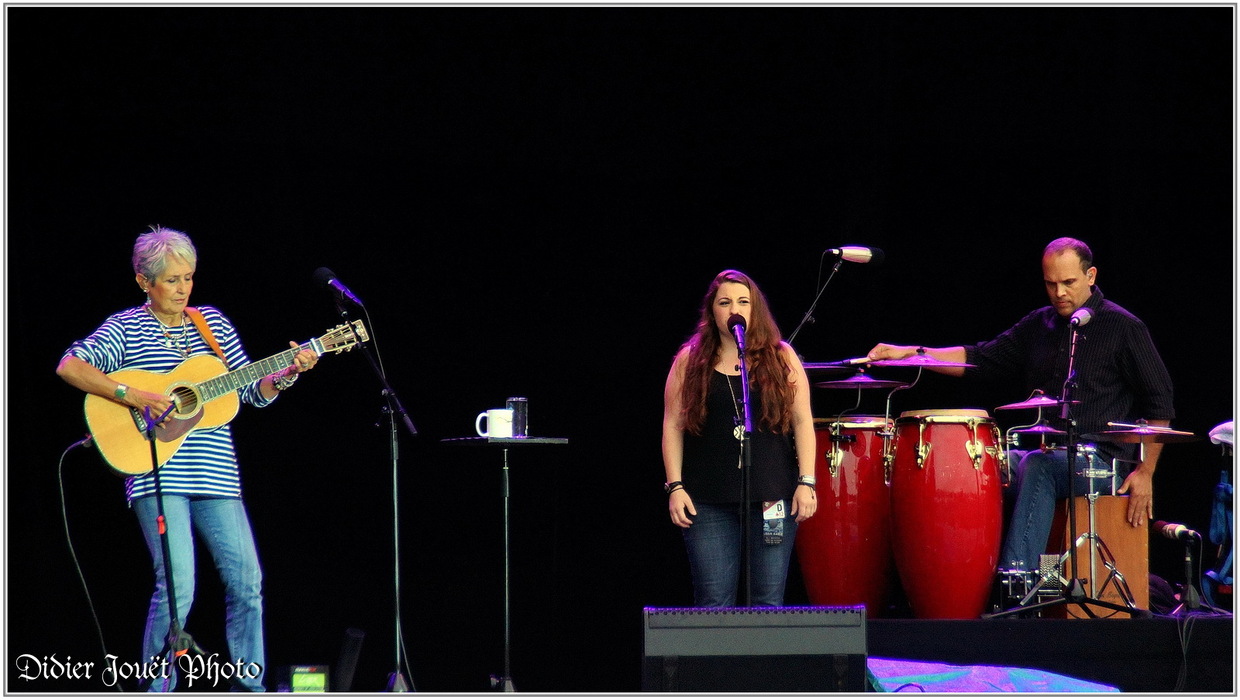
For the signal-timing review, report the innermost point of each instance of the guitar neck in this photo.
(231, 381)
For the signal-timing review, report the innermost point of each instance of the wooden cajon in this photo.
(1129, 548)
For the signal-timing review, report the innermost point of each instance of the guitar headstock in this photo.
(342, 338)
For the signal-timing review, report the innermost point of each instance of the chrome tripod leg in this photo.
(1113, 576)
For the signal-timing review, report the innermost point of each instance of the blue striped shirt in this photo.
(206, 463)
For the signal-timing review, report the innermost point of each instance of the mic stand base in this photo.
(397, 683)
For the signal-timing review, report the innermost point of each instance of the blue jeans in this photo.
(713, 543)
(223, 525)
(1039, 480)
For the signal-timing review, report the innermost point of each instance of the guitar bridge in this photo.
(138, 420)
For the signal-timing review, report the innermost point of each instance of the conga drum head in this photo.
(945, 415)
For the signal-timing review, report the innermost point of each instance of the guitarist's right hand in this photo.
(141, 400)
(91, 380)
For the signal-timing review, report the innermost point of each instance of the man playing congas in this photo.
(1118, 376)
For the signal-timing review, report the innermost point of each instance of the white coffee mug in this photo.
(499, 423)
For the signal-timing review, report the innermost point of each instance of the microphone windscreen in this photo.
(876, 256)
(736, 320)
(324, 276)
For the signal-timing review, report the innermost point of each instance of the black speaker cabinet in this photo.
(755, 650)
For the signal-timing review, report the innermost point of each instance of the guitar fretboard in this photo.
(231, 381)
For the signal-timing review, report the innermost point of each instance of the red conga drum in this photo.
(947, 510)
(845, 550)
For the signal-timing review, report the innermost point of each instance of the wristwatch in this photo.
(121, 390)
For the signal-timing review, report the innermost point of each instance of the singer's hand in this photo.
(804, 503)
(1140, 489)
(680, 505)
(304, 360)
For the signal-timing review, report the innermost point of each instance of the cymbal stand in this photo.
(1012, 439)
(888, 432)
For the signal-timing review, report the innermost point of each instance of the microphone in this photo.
(736, 324)
(1175, 531)
(327, 278)
(858, 254)
(1080, 317)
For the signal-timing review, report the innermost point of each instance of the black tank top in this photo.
(709, 467)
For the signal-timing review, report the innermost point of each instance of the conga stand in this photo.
(504, 683)
(178, 642)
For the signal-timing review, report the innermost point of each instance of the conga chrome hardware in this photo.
(1000, 455)
(923, 450)
(974, 447)
(845, 550)
(835, 456)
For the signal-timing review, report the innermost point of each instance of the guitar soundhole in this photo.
(186, 400)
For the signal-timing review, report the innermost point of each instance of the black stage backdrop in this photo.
(530, 201)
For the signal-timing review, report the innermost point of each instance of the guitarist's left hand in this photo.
(304, 360)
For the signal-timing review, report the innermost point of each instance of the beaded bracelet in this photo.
(284, 380)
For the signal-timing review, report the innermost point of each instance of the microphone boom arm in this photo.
(809, 315)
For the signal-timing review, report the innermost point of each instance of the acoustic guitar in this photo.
(204, 395)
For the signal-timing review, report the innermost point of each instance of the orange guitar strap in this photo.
(196, 316)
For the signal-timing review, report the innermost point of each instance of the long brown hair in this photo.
(768, 371)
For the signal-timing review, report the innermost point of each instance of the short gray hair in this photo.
(153, 248)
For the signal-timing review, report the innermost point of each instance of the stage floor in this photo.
(1192, 653)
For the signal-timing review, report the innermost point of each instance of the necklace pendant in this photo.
(739, 432)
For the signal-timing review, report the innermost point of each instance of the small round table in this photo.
(504, 682)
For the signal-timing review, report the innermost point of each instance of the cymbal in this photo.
(1041, 428)
(1149, 433)
(919, 361)
(1039, 401)
(861, 381)
(828, 366)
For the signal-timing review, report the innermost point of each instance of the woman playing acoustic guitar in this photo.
(129, 368)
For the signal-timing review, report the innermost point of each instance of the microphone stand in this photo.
(809, 318)
(397, 682)
(1074, 591)
(178, 642)
(746, 462)
(1190, 598)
